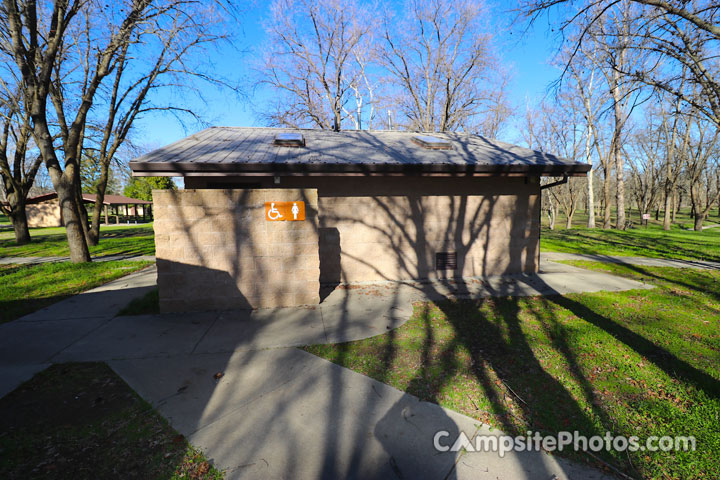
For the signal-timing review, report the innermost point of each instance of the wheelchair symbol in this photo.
(274, 213)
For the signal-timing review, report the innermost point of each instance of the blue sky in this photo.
(527, 54)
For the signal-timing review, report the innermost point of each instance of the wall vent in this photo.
(445, 260)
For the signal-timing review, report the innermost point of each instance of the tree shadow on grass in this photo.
(669, 363)
(630, 243)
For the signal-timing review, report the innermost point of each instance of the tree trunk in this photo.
(16, 211)
(73, 224)
(698, 224)
(695, 208)
(607, 221)
(568, 223)
(18, 218)
(83, 216)
(80, 203)
(551, 217)
(620, 192)
(94, 236)
(94, 233)
(668, 209)
(620, 200)
(615, 150)
(591, 201)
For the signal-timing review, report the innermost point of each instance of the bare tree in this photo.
(162, 56)
(497, 110)
(645, 152)
(440, 64)
(64, 52)
(584, 86)
(363, 84)
(674, 144)
(605, 52)
(585, 67)
(36, 45)
(17, 170)
(308, 61)
(680, 41)
(558, 128)
(566, 138)
(612, 35)
(702, 171)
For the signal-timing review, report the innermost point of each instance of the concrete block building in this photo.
(379, 205)
(44, 210)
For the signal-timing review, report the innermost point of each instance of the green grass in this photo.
(651, 242)
(642, 362)
(26, 288)
(81, 421)
(145, 305)
(52, 242)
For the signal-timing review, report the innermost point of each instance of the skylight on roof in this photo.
(289, 139)
(432, 143)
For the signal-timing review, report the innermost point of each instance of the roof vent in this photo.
(289, 139)
(432, 143)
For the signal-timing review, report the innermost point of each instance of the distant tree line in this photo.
(639, 99)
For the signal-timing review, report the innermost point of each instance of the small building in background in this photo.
(378, 205)
(44, 210)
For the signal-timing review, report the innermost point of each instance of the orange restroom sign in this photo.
(284, 211)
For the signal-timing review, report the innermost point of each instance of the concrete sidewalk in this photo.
(28, 345)
(279, 412)
(284, 413)
(347, 314)
(642, 261)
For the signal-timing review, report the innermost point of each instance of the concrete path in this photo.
(643, 261)
(276, 411)
(104, 258)
(28, 345)
(363, 311)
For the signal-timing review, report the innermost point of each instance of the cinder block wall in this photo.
(491, 224)
(44, 214)
(216, 251)
(390, 228)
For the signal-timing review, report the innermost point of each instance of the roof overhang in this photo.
(190, 169)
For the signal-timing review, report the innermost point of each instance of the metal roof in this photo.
(251, 151)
